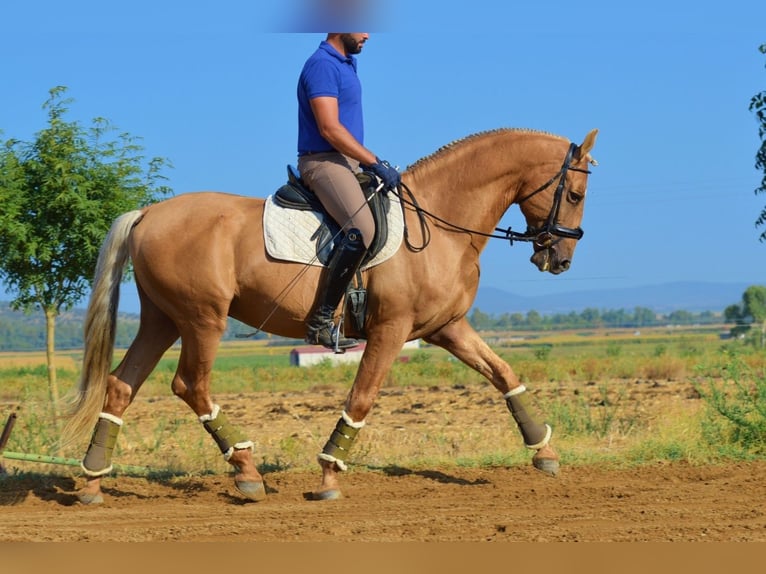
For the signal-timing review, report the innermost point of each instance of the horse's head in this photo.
(553, 208)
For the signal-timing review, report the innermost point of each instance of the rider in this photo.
(330, 152)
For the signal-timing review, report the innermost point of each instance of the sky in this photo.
(211, 87)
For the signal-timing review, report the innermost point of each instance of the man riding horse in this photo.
(543, 174)
(330, 151)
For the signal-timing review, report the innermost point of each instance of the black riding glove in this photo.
(389, 175)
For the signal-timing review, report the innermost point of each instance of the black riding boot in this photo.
(343, 264)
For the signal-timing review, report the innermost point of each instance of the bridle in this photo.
(542, 237)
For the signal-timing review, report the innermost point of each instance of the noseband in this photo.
(546, 235)
(543, 237)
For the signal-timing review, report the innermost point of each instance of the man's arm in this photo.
(325, 110)
(326, 113)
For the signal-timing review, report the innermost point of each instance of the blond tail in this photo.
(99, 329)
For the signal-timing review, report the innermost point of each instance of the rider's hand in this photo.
(389, 175)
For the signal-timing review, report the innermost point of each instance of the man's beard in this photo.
(351, 45)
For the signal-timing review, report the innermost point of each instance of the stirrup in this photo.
(329, 336)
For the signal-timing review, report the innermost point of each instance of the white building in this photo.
(312, 355)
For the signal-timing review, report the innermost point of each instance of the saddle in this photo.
(296, 195)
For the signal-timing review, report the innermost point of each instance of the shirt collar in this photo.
(330, 49)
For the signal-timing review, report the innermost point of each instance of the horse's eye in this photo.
(574, 197)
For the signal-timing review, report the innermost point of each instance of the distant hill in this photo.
(694, 297)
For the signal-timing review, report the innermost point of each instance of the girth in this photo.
(296, 195)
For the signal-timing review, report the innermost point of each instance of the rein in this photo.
(542, 237)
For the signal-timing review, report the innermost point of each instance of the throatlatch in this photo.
(341, 439)
(535, 435)
(225, 435)
(98, 458)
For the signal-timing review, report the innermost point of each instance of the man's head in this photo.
(350, 42)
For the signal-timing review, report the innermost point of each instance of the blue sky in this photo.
(211, 86)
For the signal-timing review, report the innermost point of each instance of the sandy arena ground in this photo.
(659, 502)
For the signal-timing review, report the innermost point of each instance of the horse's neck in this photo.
(472, 186)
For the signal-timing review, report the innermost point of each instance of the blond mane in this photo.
(459, 143)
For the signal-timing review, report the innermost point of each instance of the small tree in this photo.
(758, 107)
(59, 195)
(750, 314)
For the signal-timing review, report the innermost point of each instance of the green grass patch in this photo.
(584, 381)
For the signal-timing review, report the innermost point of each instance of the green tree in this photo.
(479, 320)
(534, 319)
(754, 306)
(751, 312)
(59, 196)
(644, 317)
(591, 316)
(681, 317)
(758, 107)
(615, 318)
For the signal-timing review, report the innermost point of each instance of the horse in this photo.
(199, 258)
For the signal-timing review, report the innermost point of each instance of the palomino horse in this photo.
(200, 258)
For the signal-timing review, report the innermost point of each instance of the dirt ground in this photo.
(392, 503)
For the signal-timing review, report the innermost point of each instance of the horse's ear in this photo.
(583, 151)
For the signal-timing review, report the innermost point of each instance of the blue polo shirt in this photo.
(328, 73)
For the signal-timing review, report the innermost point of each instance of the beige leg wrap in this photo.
(535, 435)
(226, 436)
(98, 458)
(341, 439)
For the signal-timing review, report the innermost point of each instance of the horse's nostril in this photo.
(565, 264)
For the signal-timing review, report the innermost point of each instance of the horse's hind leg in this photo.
(462, 341)
(155, 335)
(199, 345)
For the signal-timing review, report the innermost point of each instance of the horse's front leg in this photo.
(375, 364)
(462, 341)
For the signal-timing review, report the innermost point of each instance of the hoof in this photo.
(331, 494)
(251, 490)
(90, 498)
(547, 466)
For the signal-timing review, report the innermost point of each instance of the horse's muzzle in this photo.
(550, 261)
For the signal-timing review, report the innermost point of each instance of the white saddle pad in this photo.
(287, 233)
